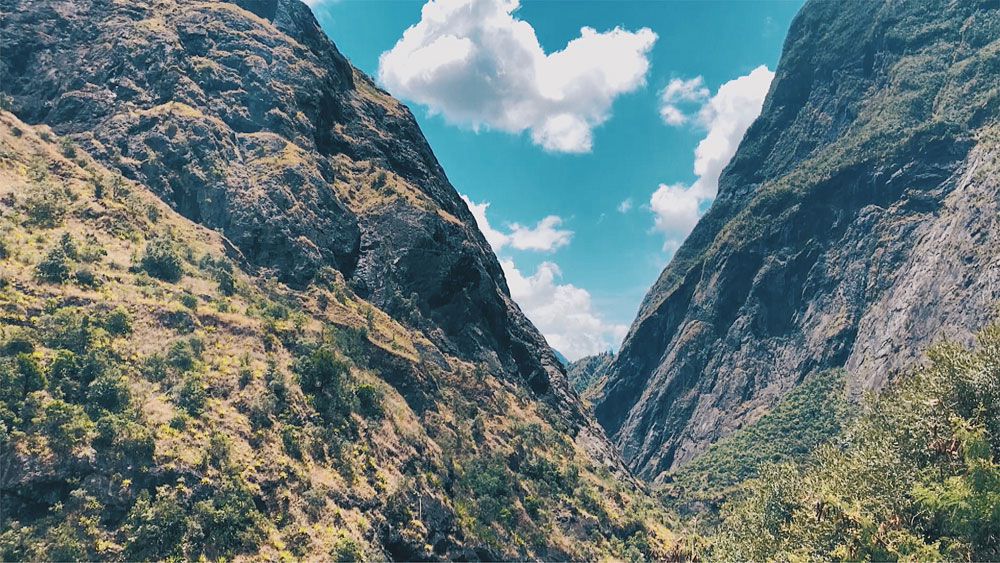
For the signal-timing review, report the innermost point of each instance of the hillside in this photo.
(857, 222)
(913, 478)
(587, 370)
(245, 315)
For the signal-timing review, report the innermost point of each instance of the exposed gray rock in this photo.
(244, 117)
(856, 224)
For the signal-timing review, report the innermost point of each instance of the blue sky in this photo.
(594, 130)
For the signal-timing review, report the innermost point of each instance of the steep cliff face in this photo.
(245, 118)
(857, 221)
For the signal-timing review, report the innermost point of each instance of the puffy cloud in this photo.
(676, 209)
(561, 312)
(625, 205)
(475, 63)
(680, 92)
(545, 235)
(726, 116)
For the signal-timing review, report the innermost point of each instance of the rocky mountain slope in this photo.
(245, 118)
(857, 222)
(244, 314)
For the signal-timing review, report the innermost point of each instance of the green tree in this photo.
(162, 260)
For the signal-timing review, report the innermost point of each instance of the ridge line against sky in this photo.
(483, 73)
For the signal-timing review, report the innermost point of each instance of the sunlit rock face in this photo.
(856, 223)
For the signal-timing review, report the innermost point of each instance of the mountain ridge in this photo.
(868, 127)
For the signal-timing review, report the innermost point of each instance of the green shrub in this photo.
(914, 477)
(68, 246)
(192, 394)
(17, 344)
(155, 530)
(118, 322)
(109, 391)
(124, 442)
(188, 300)
(347, 550)
(162, 260)
(69, 328)
(219, 449)
(65, 426)
(155, 367)
(85, 277)
(32, 377)
(229, 520)
(54, 268)
(369, 401)
(67, 147)
(91, 250)
(323, 375)
(290, 439)
(181, 356)
(46, 205)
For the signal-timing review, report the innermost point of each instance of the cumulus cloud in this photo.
(681, 92)
(475, 63)
(625, 205)
(561, 312)
(725, 116)
(545, 235)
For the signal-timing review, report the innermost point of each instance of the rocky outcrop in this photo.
(244, 117)
(856, 223)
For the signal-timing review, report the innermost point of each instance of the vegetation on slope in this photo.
(588, 370)
(812, 413)
(159, 401)
(915, 477)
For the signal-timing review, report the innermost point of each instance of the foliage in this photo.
(54, 268)
(811, 413)
(66, 426)
(162, 260)
(915, 477)
(46, 204)
(118, 322)
(192, 394)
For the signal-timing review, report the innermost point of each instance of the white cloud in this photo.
(561, 312)
(625, 205)
(475, 63)
(676, 208)
(681, 92)
(545, 235)
(726, 116)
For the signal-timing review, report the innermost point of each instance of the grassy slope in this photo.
(210, 445)
(812, 413)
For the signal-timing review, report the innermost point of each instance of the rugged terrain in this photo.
(244, 314)
(857, 222)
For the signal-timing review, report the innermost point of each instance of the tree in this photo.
(161, 259)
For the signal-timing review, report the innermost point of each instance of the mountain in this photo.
(587, 370)
(244, 314)
(857, 222)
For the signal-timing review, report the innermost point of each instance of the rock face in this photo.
(857, 222)
(244, 117)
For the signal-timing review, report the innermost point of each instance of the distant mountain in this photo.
(857, 222)
(562, 359)
(586, 371)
